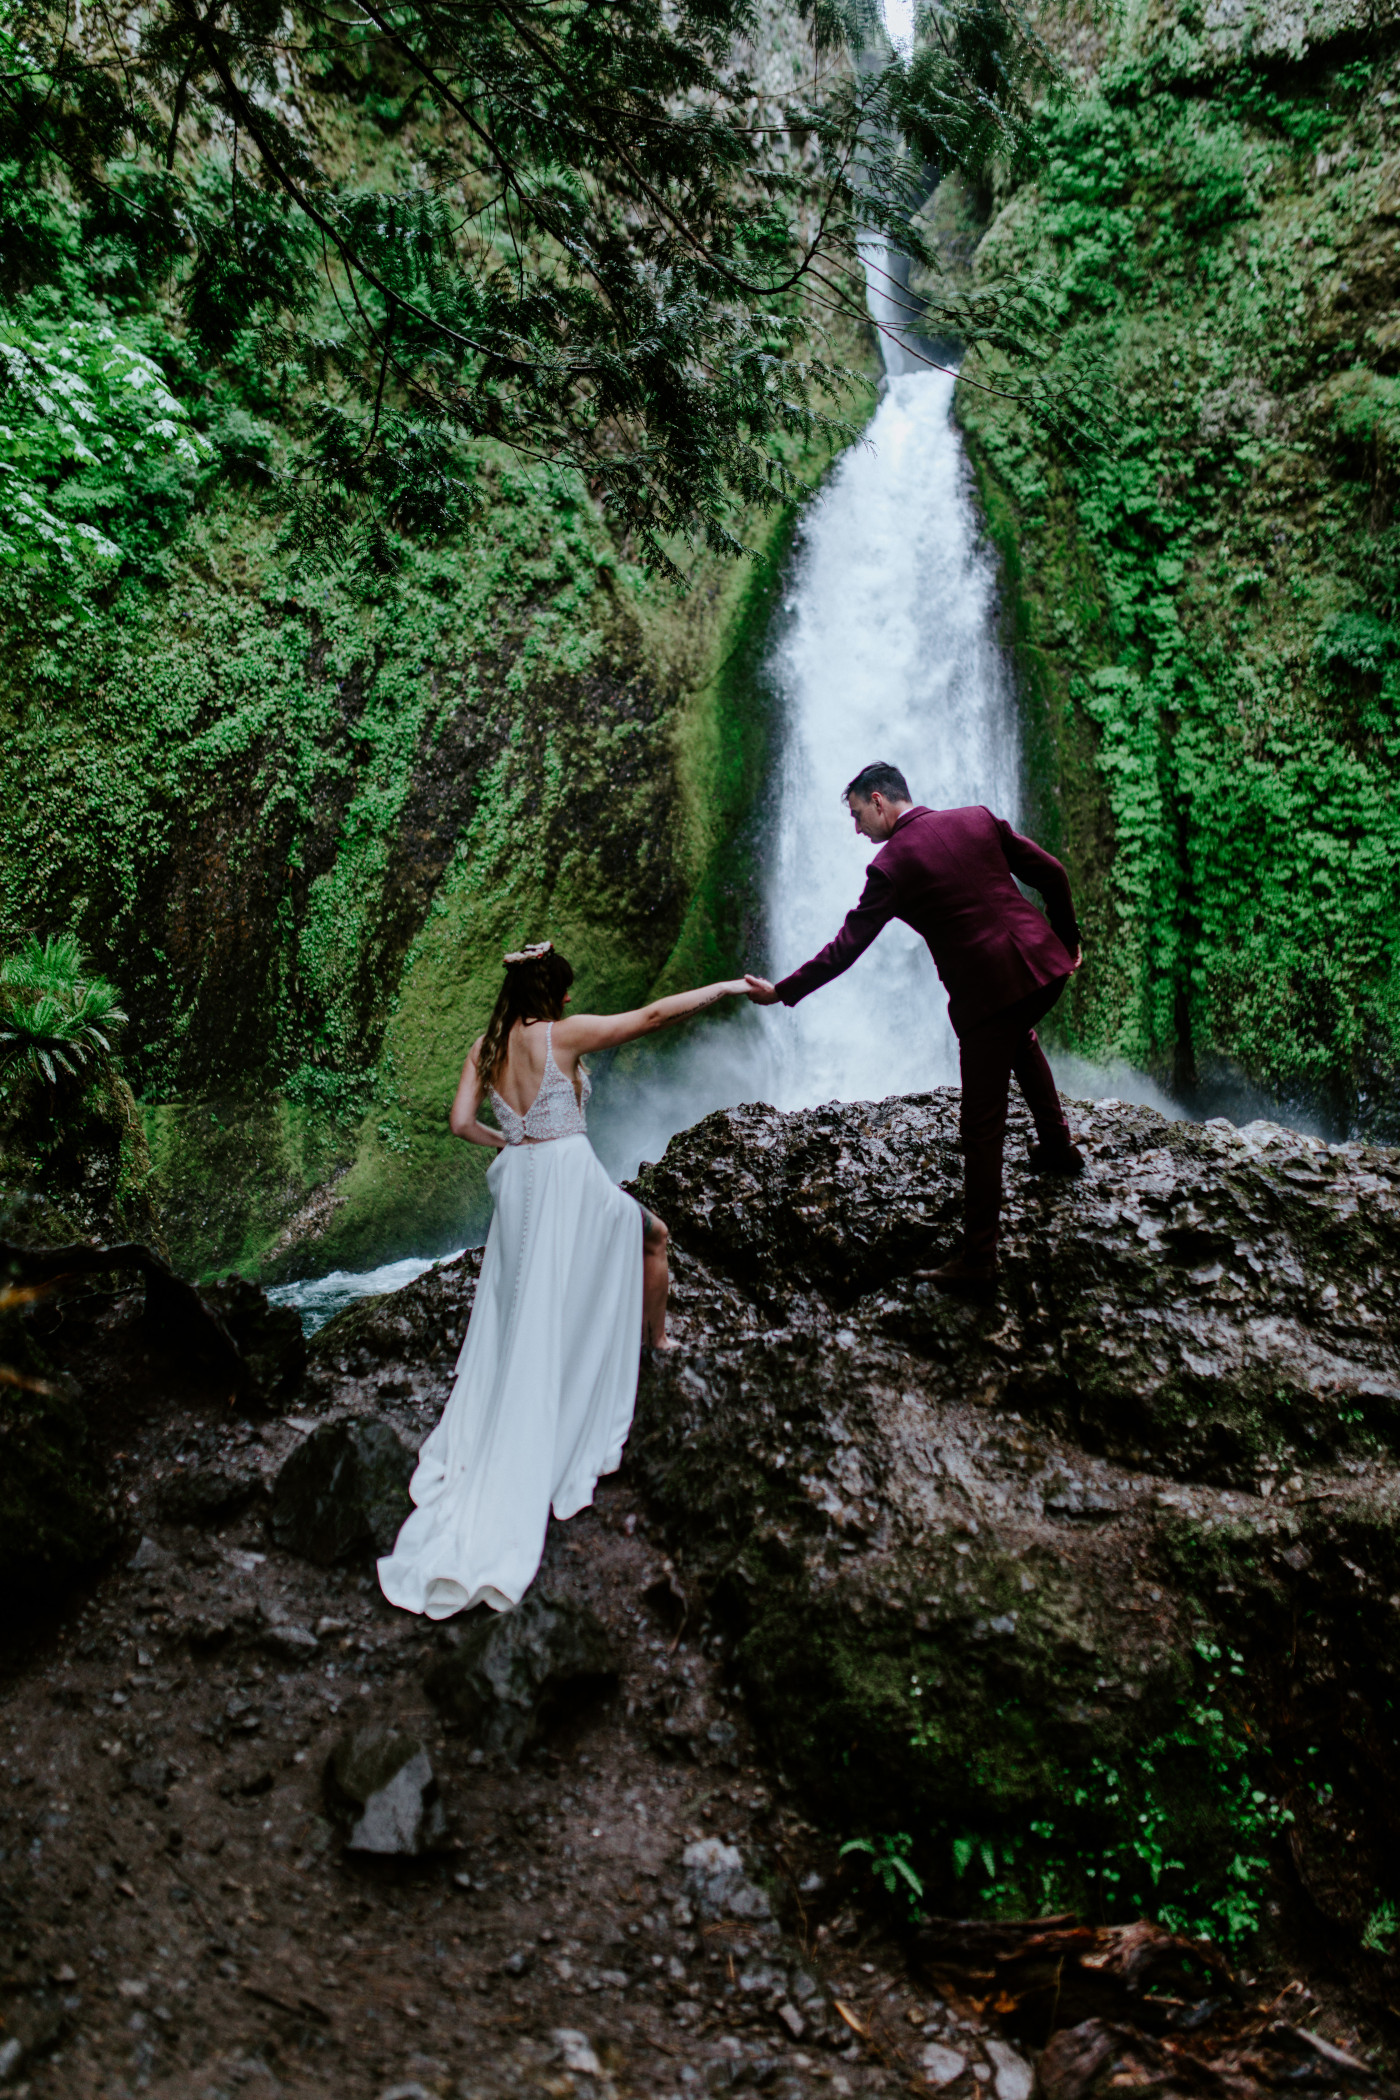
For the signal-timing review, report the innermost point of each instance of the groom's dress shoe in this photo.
(1057, 1159)
(960, 1274)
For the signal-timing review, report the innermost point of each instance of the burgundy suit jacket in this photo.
(947, 873)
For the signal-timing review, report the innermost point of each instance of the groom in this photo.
(948, 874)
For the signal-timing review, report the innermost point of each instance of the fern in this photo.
(54, 1018)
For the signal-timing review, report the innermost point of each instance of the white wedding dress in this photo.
(547, 1379)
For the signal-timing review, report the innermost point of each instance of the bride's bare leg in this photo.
(656, 1281)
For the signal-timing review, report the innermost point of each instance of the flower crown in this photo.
(530, 954)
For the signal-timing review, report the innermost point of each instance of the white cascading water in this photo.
(885, 648)
(888, 651)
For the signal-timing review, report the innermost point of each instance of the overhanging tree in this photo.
(620, 248)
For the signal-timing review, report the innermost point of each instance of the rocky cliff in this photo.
(300, 827)
(296, 806)
(1084, 1598)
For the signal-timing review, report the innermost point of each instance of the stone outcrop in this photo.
(513, 1673)
(380, 1785)
(1228, 33)
(984, 1565)
(395, 1340)
(344, 1488)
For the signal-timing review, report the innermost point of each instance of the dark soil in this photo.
(177, 1914)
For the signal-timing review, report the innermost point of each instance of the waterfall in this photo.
(884, 647)
(887, 650)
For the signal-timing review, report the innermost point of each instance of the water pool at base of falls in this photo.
(320, 1298)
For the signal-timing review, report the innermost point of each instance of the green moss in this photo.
(305, 845)
(232, 1175)
(80, 1152)
(724, 742)
(1202, 603)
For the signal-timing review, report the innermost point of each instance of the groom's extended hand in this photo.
(760, 991)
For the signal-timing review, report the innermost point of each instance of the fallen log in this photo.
(1040, 1974)
(1243, 2056)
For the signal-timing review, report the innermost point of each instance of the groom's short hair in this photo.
(879, 780)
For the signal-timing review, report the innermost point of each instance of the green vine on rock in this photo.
(1209, 602)
(1179, 1827)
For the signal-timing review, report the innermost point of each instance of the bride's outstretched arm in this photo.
(462, 1118)
(580, 1033)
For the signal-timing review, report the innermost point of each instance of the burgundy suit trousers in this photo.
(990, 1051)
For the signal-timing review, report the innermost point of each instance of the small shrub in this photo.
(1356, 642)
(54, 1018)
(889, 1863)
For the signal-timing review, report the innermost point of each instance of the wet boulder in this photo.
(381, 1788)
(974, 1560)
(418, 1329)
(202, 1494)
(514, 1673)
(343, 1490)
(269, 1337)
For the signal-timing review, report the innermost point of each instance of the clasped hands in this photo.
(762, 993)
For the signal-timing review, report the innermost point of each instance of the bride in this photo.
(574, 1279)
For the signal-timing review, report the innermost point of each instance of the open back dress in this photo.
(546, 1382)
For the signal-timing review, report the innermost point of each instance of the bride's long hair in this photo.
(536, 982)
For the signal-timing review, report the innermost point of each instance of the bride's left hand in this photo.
(759, 990)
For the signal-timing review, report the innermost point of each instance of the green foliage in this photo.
(586, 234)
(55, 1018)
(889, 1863)
(81, 412)
(299, 812)
(1378, 1937)
(133, 724)
(1212, 597)
(1208, 1755)
(1181, 1831)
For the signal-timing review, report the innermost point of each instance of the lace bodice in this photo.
(555, 1112)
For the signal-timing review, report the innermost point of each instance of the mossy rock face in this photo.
(1203, 608)
(1030, 1566)
(75, 1165)
(517, 737)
